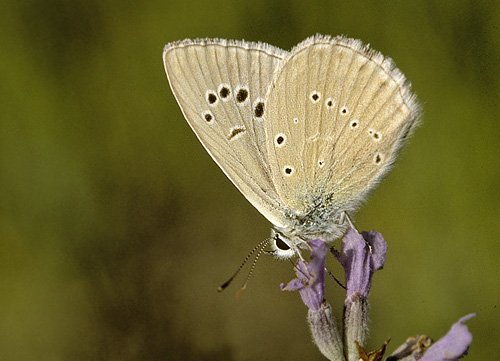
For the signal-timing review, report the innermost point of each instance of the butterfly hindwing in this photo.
(339, 113)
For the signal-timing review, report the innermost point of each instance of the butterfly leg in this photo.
(344, 218)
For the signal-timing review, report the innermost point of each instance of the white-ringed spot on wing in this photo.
(315, 96)
(280, 140)
(378, 158)
(321, 163)
(236, 132)
(224, 92)
(208, 116)
(242, 95)
(258, 109)
(354, 124)
(288, 170)
(375, 135)
(329, 103)
(344, 111)
(211, 97)
(296, 120)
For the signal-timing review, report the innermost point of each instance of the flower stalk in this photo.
(325, 332)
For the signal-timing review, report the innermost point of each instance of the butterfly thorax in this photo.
(324, 220)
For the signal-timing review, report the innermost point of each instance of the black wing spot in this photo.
(208, 116)
(315, 96)
(242, 95)
(224, 92)
(374, 134)
(259, 110)
(280, 140)
(211, 98)
(235, 131)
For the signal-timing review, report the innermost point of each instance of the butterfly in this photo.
(304, 135)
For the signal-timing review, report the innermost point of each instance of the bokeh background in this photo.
(116, 227)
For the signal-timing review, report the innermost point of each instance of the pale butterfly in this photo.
(305, 134)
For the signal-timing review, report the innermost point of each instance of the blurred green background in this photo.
(116, 227)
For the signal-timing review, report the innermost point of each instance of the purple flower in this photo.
(453, 345)
(310, 281)
(361, 255)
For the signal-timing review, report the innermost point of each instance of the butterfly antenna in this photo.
(297, 269)
(335, 278)
(259, 247)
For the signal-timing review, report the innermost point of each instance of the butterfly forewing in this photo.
(220, 86)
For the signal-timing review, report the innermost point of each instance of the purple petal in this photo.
(453, 345)
(310, 281)
(361, 255)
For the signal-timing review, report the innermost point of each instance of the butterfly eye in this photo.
(281, 248)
